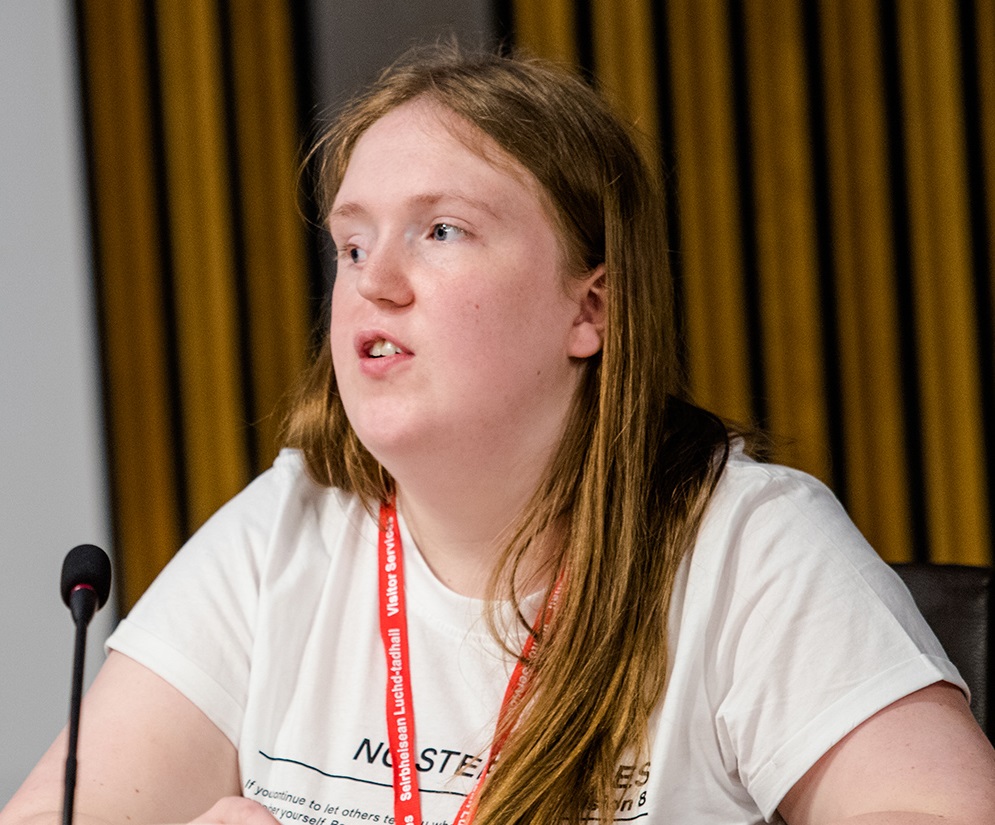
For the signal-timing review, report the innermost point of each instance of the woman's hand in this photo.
(236, 810)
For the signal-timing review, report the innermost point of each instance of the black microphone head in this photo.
(87, 564)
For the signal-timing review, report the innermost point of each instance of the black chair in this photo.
(959, 605)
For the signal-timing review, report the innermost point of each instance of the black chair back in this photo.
(958, 603)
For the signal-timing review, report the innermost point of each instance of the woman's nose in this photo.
(384, 277)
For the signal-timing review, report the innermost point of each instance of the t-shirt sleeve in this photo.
(194, 626)
(815, 636)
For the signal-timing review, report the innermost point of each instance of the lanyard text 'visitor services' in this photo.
(399, 706)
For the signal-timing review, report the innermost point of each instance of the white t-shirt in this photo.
(786, 631)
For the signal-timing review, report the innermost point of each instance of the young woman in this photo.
(507, 573)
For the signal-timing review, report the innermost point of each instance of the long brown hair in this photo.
(637, 464)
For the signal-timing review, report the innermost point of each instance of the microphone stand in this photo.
(82, 604)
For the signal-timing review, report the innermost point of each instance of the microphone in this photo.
(86, 584)
(86, 581)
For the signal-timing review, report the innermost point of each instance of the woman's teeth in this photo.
(381, 348)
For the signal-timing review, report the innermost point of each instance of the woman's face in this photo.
(455, 331)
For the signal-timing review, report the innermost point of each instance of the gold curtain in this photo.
(832, 174)
(200, 254)
(832, 166)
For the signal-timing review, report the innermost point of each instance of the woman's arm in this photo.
(922, 759)
(146, 754)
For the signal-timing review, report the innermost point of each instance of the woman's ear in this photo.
(587, 334)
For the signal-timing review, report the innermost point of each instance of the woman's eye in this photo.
(356, 255)
(445, 232)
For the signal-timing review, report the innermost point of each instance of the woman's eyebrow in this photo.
(433, 198)
(348, 209)
(352, 209)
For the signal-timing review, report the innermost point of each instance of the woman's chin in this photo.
(412, 452)
(390, 444)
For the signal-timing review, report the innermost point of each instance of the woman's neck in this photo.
(462, 532)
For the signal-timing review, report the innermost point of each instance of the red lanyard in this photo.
(400, 709)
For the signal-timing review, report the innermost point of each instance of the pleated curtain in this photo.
(830, 168)
(204, 269)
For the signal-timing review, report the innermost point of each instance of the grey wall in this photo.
(52, 491)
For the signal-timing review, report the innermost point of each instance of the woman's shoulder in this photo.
(280, 516)
(758, 491)
(782, 535)
(765, 519)
(285, 491)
